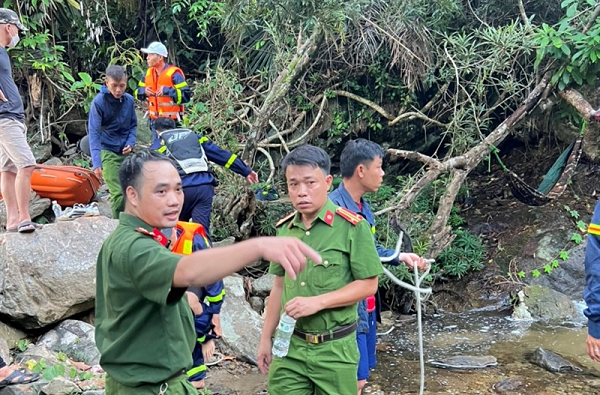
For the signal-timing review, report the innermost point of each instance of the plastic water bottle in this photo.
(56, 208)
(283, 335)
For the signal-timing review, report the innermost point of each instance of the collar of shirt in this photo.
(325, 215)
(351, 205)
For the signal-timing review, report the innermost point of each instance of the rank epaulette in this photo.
(156, 235)
(348, 215)
(285, 219)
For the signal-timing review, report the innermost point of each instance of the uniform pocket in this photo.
(328, 274)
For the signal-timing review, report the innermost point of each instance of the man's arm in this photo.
(94, 128)
(348, 295)
(180, 93)
(591, 292)
(208, 266)
(132, 132)
(224, 158)
(140, 92)
(265, 355)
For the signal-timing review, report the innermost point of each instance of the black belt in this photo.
(337, 333)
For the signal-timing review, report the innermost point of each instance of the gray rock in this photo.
(94, 392)
(74, 338)
(257, 304)
(61, 386)
(51, 276)
(41, 152)
(553, 362)
(465, 362)
(547, 304)
(37, 353)
(5, 351)
(34, 388)
(241, 325)
(508, 385)
(54, 161)
(37, 206)
(262, 286)
(11, 335)
(569, 278)
(104, 206)
(225, 242)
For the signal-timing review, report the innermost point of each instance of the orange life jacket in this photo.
(162, 106)
(185, 237)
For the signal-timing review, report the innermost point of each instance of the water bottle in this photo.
(283, 335)
(56, 208)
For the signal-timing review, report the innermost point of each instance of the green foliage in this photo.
(465, 254)
(576, 51)
(88, 87)
(23, 344)
(201, 12)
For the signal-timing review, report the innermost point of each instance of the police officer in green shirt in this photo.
(323, 354)
(144, 325)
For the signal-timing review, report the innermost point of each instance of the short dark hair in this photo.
(307, 155)
(164, 123)
(116, 72)
(132, 168)
(357, 152)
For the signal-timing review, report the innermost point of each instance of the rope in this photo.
(421, 294)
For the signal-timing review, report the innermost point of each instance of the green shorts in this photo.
(175, 386)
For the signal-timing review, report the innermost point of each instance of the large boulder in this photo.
(37, 206)
(570, 277)
(241, 325)
(549, 305)
(49, 275)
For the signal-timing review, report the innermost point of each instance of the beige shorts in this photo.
(14, 151)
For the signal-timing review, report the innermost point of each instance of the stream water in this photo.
(481, 333)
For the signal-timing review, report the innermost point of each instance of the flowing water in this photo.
(481, 333)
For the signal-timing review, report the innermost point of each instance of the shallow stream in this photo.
(481, 333)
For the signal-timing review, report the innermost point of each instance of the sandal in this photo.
(27, 227)
(20, 376)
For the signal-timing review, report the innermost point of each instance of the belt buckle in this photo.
(313, 339)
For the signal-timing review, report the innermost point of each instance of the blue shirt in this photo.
(13, 108)
(591, 293)
(112, 124)
(342, 198)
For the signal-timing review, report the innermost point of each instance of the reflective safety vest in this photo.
(163, 106)
(185, 148)
(185, 237)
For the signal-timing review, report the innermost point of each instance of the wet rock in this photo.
(464, 362)
(508, 385)
(570, 278)
(262, 286)
(547, 304)
(241, 325)
(74, 338)
(37, 206)
(61, 386)
(257, 304)
(552, 362)
(51, 276)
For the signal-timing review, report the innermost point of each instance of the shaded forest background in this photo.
(442, 85)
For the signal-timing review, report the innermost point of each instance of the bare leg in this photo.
(7, 186)
(361, 385)
(23, 192)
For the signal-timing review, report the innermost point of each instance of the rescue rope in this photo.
(421, 294)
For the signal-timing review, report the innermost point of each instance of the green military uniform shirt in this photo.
(144, 328)
(345, 243)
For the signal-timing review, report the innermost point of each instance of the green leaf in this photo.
(554, 264)
(566, 50)
(564, 255)
(535, 273)
(68, 76)
(582, 226)
(85, 77)
(547, 269)
(521, 274)
(576, 237)
(572, 10)
(574, 214)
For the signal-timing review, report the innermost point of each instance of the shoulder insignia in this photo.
(285, 219)
(156, 235)
(328, 218)
(348, 215)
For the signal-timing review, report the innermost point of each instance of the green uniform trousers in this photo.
(175, 386)
(110, 172)
(316, 369)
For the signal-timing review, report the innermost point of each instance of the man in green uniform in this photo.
(323, 355)
(144, 325)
